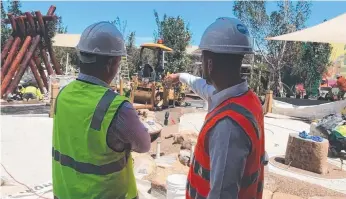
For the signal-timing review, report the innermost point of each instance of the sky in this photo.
(78, 15)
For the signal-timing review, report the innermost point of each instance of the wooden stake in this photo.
(54, 94)
(121, 92)
(268, 102)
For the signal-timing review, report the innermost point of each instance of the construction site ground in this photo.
(26, 157)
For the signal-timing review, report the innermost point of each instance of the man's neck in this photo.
(222, 85)
(98, 76)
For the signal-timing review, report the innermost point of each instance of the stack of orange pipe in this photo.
(27, 38)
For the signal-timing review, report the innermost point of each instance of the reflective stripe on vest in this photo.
(237, 108)
(88, 168)
(101, 109)
(199, 175)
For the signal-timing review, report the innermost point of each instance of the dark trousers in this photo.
(28, 96)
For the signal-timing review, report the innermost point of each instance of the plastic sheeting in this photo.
(308, 112)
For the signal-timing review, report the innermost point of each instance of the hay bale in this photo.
(307, 154)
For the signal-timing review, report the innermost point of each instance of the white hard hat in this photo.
(338, 75)
(101, 38)
(227, 35)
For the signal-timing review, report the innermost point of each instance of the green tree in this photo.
(313, 62)
(289, 17)
(121, 25)
(175, 34)
(5, 30)
(14, 8)
(132, 53)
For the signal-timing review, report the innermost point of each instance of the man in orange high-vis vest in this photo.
(229, 157)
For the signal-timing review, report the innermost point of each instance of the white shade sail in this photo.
(331, 31)
(66, 40)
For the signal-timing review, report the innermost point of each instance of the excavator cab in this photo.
(150, 72)
(150, 76)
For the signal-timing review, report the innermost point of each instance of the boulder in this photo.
(186, 145)
(307, 154)
(187, 136)
(184, 157)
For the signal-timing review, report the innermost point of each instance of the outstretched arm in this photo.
(197, 84)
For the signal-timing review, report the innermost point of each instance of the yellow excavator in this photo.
(148, 89)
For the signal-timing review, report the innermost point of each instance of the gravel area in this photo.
(283, 184)
(334, 172)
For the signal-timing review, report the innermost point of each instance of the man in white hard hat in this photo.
(229, 156)
(95, 128)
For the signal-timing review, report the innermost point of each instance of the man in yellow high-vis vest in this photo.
(95, 128)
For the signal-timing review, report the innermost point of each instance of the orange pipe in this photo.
(14, 66)
(45, 61)
(36, 75)
(23, 65)
(6, 48)
(41, 71)
(10, 57)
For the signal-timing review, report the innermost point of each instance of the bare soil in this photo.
(333, 172)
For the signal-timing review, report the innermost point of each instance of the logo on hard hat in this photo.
(242, 29)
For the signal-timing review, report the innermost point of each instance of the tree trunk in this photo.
(276, 82)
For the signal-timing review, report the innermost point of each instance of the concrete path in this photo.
(26, 150)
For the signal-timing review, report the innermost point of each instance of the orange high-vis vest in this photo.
(341, 83)
(246, 110)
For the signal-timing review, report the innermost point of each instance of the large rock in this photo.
(307, 154)
(184, 157)
(187, 136)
